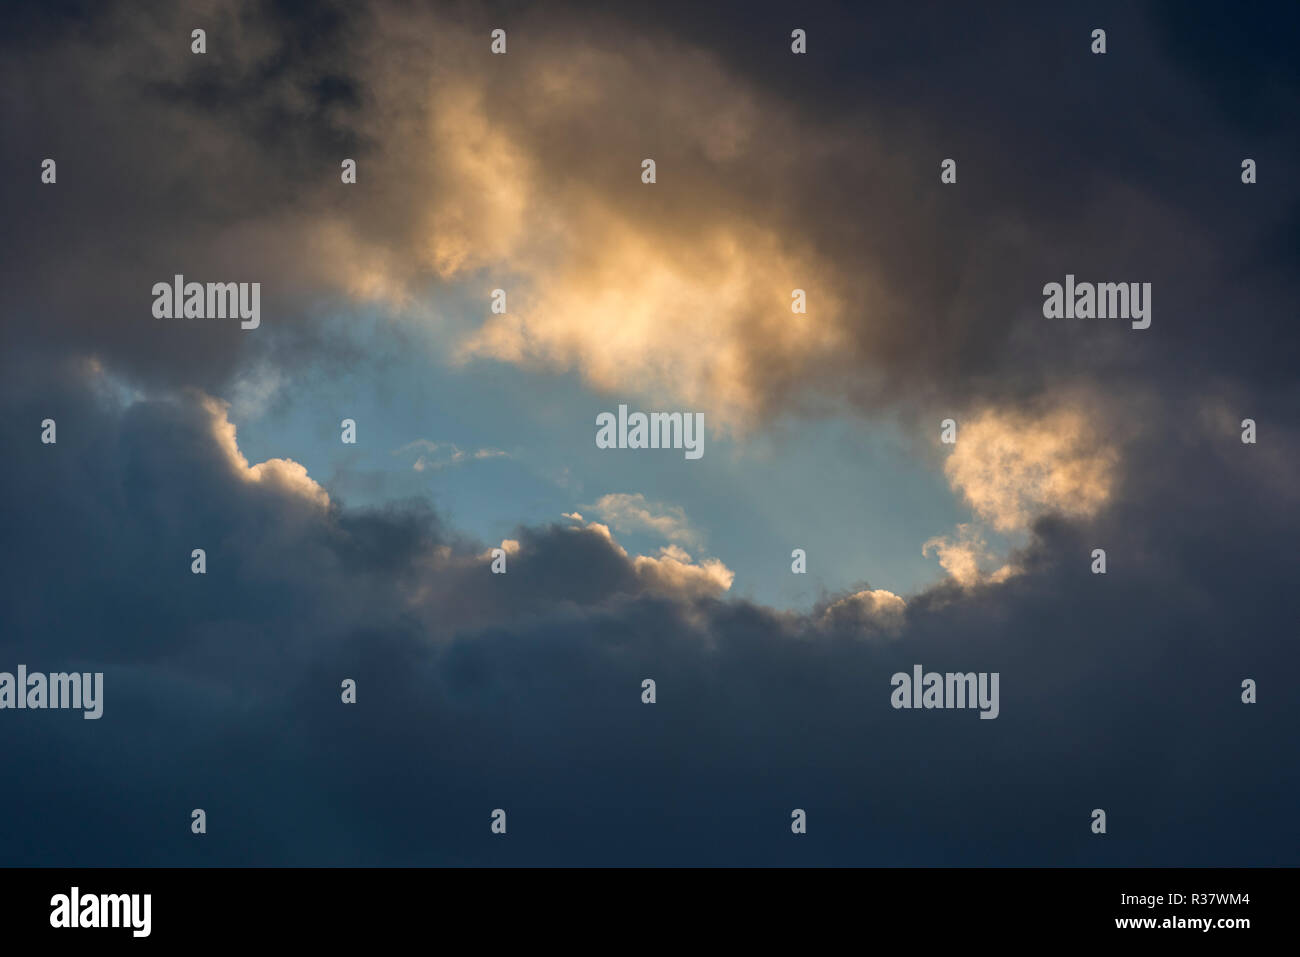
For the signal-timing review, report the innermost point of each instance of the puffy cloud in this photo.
(866, 612)
(966, 555)
(1013, 466)
(959, 557)
(284, 474)
(630, 512)
(604, 277)
(527, 684)
(673, 572)
(478, 172)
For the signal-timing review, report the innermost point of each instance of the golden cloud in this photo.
(1013, 466)
(284, 475)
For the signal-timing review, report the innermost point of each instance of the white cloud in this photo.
(1012, 466)
(284, 474)
(632, 513)
(674, 572)
(868, 611)
(437, 456)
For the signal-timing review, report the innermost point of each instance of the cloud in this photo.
(284, 474)
(630, 512)
(866, 613)
(480, 171)
(527, 684)
(251, 394)
(438, 456)
(960, 557)
(523, 172)
(966, 557)
(674, 573)
(1013, 466)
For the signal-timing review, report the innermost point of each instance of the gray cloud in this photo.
(923, 297)
(522, 690)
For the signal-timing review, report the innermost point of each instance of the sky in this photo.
(371, 561)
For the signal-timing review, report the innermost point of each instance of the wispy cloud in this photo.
(434, 456)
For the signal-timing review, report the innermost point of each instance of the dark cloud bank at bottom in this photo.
(522, 692)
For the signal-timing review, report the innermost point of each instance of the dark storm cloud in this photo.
(1122, 167)
(523, 691)
(167, 162)
(221, 691)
